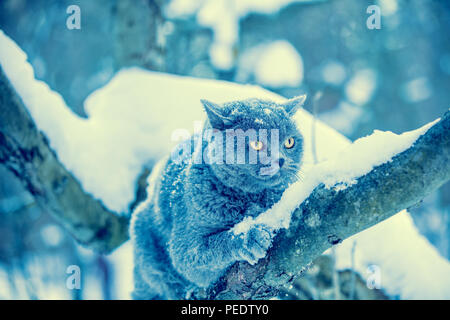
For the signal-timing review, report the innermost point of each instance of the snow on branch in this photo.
(25, 152)
(335, 211)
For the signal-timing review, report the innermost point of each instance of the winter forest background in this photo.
(394, 78)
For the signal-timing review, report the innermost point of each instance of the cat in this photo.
(182, 233)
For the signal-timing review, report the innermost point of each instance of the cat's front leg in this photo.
(229, 247)
(202, 258)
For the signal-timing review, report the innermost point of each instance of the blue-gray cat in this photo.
(182, 233)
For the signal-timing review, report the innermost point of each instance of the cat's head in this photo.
(254, 144)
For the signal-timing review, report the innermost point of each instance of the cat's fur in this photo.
(181, 233)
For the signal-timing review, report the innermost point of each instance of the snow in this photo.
(274, 64)
(280, 65)
(122, 259)
(410, 268)
(130, 124)
(416, 90)
(361, 87)
(333, 72)
(52, 235)
(366, 153)
(388, 7)
(223, 16)
(344, 118)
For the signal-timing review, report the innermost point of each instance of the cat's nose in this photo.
(280, 162)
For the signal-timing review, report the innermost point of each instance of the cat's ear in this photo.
(292, 105)
(215, 114)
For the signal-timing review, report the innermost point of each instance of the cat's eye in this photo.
(289, 143)
(256, 145)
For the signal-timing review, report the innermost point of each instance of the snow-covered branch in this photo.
(25, 152)
(332, 213)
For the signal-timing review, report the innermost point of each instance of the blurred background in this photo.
(393, 78)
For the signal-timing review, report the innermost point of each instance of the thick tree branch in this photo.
(337, 215)
(26, 152)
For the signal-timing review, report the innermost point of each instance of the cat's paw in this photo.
(256, 242)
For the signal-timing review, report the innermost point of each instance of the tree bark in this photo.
(378, 195)
(25, 151)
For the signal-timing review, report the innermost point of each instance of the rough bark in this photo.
(384, 191)
(25, 152)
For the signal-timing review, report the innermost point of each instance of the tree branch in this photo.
(25, 151)
(384, 191)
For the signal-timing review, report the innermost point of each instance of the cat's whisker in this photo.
(301, 173)
(300, 178)
(295, 170)
(294, 174)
